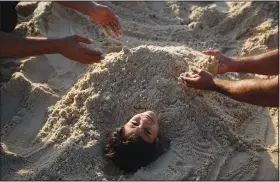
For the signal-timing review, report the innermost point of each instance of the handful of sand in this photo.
(207, 63)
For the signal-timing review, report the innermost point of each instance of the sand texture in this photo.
(56, 113)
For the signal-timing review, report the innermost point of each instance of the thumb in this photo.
(82, 39)
(196, 70)
(211, 52)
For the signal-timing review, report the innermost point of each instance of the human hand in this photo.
(200, 79)
(225, 63)
(72, 48)
(104, 17)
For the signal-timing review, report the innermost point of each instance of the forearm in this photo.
(253, 91)
(15, 46)
(85, 7)
(266, 64)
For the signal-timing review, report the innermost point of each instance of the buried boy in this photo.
(136, 143)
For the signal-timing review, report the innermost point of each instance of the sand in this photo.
(56, 113)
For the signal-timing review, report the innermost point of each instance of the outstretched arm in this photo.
(70, 47)
(266, 64)
(262, 92)
(100, 14)
(16, 46)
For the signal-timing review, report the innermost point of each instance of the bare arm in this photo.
(100, 14)
(70, 47)
(266, 64)
(262, 92)
(85, 7)
(15, 46)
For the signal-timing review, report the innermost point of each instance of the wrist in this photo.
(233, 66)
(45, 45)
(215, 85)
(55, 45)
(222, 86)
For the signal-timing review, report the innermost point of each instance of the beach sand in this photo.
(56, 113)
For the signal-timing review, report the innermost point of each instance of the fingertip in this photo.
(120, 33)
(196, 69)
(184, 78)
(192, 68)
(91, 41)
(118, 18)
(107, 31)
(208, 52)
(93, 62)
(87, 41)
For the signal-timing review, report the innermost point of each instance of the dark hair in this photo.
(132, 153)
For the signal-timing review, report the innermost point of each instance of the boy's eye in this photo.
(147, 132)
(135, 123)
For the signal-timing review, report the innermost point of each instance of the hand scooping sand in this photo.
(262, 92)
(70, 47)
(100, 14)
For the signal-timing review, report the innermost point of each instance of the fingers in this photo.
(90, 56)
(89, 59)
(108, 30)
(196, 70)
(116, 30)
(189, 75)
(113, 30)
(105, 18)
(188, 79)
(211, 52)
(214, 53)
(91, 52)
(115, 24)
(193, 76)
(190, 82)
(82, 39)
(118, 26)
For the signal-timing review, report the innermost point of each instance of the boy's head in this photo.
(134, 145)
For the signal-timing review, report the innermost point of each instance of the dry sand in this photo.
(55, 113)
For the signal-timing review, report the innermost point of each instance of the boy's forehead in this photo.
(150, 113)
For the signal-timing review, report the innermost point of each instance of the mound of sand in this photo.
(56, 113)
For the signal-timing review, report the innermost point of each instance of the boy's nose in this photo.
(139, 130)
(144, 125)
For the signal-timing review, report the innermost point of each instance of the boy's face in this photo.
(144, 125)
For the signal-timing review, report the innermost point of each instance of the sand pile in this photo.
(57, 113)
